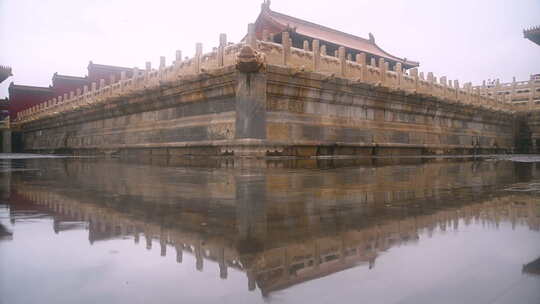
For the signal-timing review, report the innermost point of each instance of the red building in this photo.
(62, 84)
(273, 24)
(22, 97)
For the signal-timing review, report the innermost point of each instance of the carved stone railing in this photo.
(312, 57)
(523, 95)
(100, 93)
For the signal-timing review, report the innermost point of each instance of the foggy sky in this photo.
(469, 40)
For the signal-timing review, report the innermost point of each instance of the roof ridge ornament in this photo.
(371, 38)
(265, 6)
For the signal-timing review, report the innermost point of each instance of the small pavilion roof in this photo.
(5, 72)
(282, 22)
(533, 34)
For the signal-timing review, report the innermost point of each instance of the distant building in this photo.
(533, 34)
(271, 24)
(22, 97)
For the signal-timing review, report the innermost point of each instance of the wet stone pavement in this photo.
(269, 231)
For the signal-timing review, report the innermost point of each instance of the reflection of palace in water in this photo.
(281, 226)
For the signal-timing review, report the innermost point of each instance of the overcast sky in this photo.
(469, 40)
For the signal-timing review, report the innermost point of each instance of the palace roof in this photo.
(27, 88)
(62, 84)
(114, 68)
(276, 22)
(57, 76)
(22, 97)
(5, 72)
(533, 34)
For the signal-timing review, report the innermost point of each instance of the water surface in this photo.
(269, 231)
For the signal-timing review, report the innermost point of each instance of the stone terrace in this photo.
(274, 99)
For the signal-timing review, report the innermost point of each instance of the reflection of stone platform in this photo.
(281, 227)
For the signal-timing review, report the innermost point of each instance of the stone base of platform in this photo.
(281, 151)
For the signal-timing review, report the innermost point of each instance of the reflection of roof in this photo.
(60, 224)
(533, 267)
(533, 34)
(5, 234)
(268, 283)
(284, 22)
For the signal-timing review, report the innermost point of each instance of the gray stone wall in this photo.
(313, 110)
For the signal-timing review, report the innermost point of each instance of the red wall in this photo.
(22, 99)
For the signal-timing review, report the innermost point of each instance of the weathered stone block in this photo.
(314, 133)
(278, 132)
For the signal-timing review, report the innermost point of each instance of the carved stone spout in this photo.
(248, 60)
